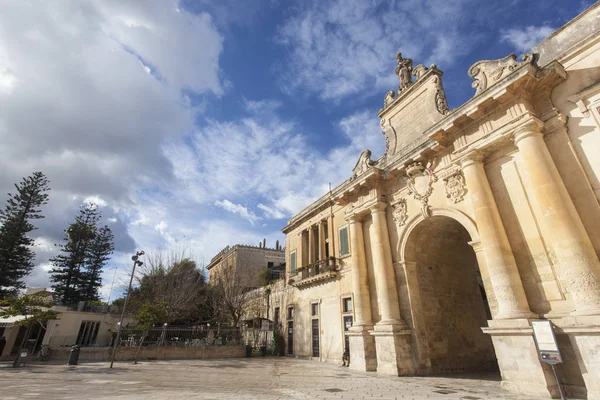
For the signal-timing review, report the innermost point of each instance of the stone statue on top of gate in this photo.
(404, 71)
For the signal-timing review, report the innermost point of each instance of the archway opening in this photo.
(453, 303)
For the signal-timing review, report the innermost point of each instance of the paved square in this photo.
(264, 379)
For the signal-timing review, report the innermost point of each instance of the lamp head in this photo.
(140, 253)
(134, 258)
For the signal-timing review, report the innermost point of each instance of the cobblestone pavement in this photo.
(264, 379)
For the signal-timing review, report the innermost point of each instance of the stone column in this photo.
(499, 259)
(579, 266)
(331, 236)
(383, 268)
(392, 336)
(311, 246)
(321, 240)
(362, 344)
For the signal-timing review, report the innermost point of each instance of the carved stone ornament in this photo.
(404, 71)
(440, 97)
(488, 72)
(419, 71)
(420, 183)
(389, 98)
(455, 187)
(400, 212)
(363, 164)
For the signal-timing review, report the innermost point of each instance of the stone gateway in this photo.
(436, 257)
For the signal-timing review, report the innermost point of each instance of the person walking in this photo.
(346, 357)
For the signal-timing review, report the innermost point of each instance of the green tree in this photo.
(176, 281)
(69, 273)
(16, 255)
(36, 310)
(99, 251)
(152, 314)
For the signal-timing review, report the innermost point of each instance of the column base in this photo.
(583, 311)
(584, 338)
(516, 314)
(518, 359)
(362, 349)
(394, 350)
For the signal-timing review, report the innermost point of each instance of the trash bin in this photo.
(74, 355)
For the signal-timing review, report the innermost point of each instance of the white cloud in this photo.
(268, 161)
(237, 209)
(523, 39)
(347, 47)
(89, 92)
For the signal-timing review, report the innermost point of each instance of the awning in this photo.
(9, 322)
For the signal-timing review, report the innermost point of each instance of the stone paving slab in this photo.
(250, 379)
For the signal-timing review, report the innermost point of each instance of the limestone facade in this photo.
(245, 262)
(474, 222)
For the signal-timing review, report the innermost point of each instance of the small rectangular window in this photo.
(290, 312)
(344, 245)
(293, 263)
(314, 308)
(270, 264)
(276, 315)
(347, 304)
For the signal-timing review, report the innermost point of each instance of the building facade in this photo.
(245, 263)
(436, 257)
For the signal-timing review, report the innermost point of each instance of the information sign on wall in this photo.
(543, 332)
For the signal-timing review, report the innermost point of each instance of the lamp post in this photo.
(136, 263)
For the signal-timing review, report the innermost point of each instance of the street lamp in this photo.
(136, 263)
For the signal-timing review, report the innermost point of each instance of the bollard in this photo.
(74, 355)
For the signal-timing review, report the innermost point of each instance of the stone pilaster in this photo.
(499, 259)
(362, 344)
(579, 267)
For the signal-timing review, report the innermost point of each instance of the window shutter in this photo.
(293, 263)
(344, 248)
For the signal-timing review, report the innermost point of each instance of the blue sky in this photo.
(198, 124)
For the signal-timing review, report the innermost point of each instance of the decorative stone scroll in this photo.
(389, 98)
(440, 97)
(420, 183)
(488, 72)
(363, 164)
(455, 187)
(400, 212)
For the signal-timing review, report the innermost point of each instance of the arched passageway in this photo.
(452, 302)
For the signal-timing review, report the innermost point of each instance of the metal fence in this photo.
(180, 337)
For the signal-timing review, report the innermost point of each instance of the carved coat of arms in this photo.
(420, 183)
(400, 212)
(455, 187)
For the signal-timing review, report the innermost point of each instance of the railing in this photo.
(180, 337)
(320, 270)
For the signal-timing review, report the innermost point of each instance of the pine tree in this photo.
(69, 274)
(98, 255)
(16, 255)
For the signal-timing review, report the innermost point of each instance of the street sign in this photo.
(24, 354)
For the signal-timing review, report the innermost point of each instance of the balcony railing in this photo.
(321, 270)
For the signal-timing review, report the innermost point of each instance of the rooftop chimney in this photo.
(264, 243)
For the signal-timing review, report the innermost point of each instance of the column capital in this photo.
(474, 157)
(353, 218)
(378, 207)
(532, 127)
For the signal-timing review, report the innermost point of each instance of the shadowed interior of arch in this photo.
(452, 305)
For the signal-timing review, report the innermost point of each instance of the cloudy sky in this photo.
(203, 123)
